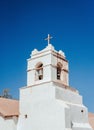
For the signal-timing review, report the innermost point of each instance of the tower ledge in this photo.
(50, 47)
(56, 82)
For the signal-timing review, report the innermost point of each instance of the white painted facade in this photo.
(48, 102)
(8, 123)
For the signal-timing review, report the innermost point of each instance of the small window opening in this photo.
(82, 111)
(26, 116)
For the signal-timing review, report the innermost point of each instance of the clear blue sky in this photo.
(25, 24)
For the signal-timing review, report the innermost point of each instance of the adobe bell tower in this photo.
(48, 102)
(47, 65)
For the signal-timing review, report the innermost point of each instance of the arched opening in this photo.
(59, 67)
(39, 71)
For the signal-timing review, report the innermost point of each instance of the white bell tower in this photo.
(48, 102)
(46, 66)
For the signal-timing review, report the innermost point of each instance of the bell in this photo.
(40, 72)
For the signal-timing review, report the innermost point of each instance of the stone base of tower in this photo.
(52, 106)
(50, 115)
(47, 115)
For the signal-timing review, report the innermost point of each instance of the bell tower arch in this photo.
(39, 71)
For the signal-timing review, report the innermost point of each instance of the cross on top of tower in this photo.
(48, 38)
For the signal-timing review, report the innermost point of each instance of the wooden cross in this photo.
(48, 38)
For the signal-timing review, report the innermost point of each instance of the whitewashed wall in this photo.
(47, 104)
(8, 123)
